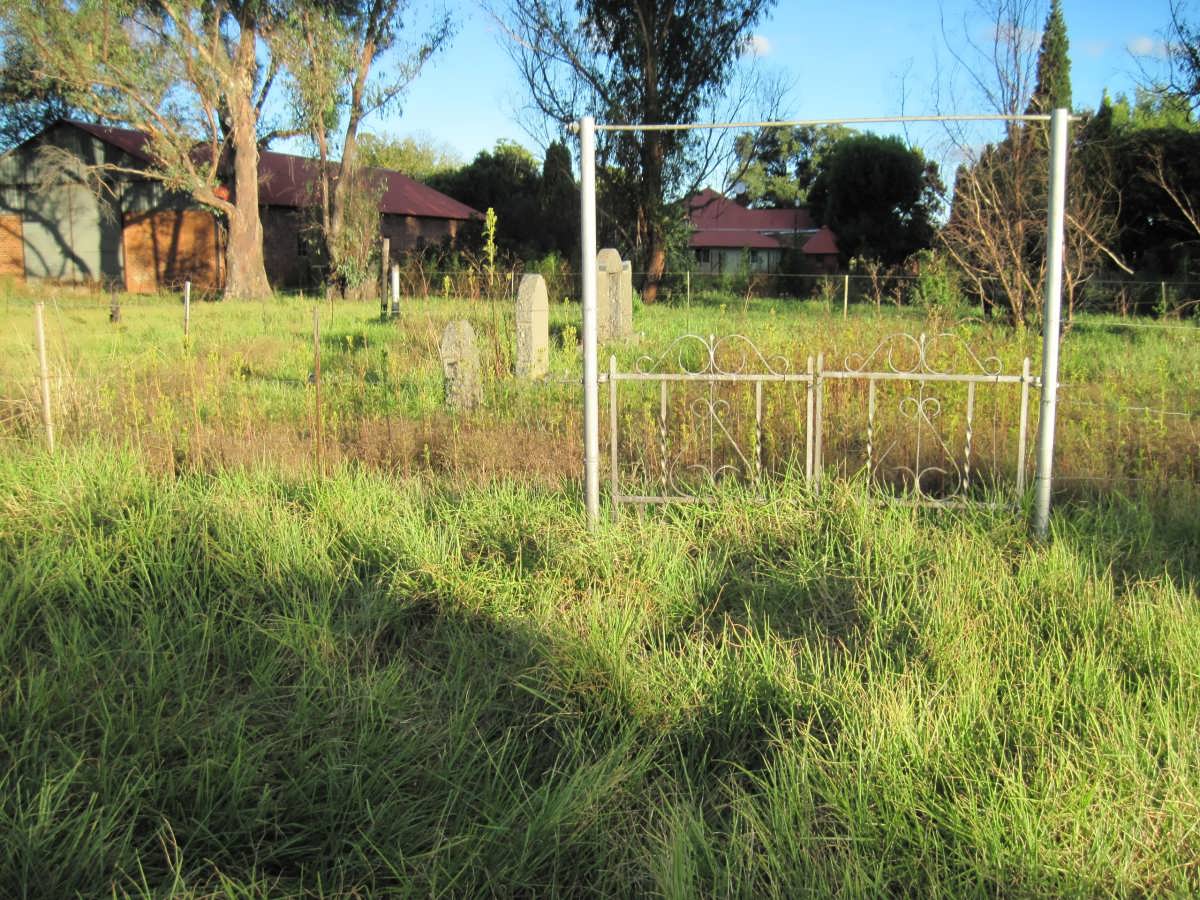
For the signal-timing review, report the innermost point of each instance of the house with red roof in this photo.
(729, 237)
(58, 223)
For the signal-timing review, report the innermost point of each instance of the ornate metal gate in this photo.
(710, 410)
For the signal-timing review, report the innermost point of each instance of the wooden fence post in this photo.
(317, 441)
(44, 369)
(384, 266)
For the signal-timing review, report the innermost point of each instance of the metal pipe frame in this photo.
(1051, 318)
(586, 128)
(591, 382)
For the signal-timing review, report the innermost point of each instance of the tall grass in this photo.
(246, 683)
(241, 393)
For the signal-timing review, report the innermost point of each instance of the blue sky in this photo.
(855, 58)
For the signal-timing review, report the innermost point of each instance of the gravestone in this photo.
(623, 322)
(460, 366)
(533, 328)
(608, 276)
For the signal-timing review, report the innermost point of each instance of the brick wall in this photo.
(12, 247)
(416, 232)
(165, 248)
(289, 259)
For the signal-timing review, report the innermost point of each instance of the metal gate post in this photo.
(591, 379)
(1051, 314)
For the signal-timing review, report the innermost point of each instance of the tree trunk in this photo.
(653, 158)
(337, 200)
(245, 268)
(656, 265)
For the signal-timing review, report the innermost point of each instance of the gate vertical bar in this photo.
(1024, 426)
(758, 431)
(662, 433)
(819, 388)
(1052, 309)
(870, 429)
(591, 387)
(969, 436)
(808, 432)
(612, 433)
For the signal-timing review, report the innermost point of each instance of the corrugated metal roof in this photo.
(132, 142)
(709, 210)
(821, 243)
(733, 237)
(287, 180)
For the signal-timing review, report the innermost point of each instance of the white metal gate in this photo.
(708, 410)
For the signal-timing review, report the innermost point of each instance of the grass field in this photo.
(248, 684)
(225, 675)
(239, 392)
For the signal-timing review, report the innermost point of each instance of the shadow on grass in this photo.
(197, 704)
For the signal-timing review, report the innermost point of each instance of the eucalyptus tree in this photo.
(348, 60)
(778, 166)
(646, 61)
(28, 104)
(192, 75)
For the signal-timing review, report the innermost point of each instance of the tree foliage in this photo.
(1150, 148)
(191, 75)
(996, 232)
(1052, 89)
(652, 61)
(332, 50)
(879, 197)
(532, 202)
(29, 103)
(419, 157)
(778, 166)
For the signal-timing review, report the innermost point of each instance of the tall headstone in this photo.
(533, 328)
(460, 366)
(623, 326)
(608, 275)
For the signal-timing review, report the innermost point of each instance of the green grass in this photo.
(250, 684)
(239, 391)
(222, 675)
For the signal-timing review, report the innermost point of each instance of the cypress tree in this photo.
(1053, 88)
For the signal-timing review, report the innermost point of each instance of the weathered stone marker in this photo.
(608, 274)
(533, 328)
(623, 323)
(460, 366)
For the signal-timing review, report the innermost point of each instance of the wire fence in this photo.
(222, 396)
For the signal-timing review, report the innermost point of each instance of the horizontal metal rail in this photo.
(795, 123)
(805, 378)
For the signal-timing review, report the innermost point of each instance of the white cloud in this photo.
(1144, 45)
(1095, 49)
(757, 45)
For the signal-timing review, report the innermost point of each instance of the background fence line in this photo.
(1154, 436)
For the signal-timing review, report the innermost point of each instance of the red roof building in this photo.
(147, 237)
(728, 237)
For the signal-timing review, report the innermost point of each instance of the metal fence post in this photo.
(846, 297)
(39, 326)
(1052, 310)
(591, 387)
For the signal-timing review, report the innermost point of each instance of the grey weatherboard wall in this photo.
(71, 232)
